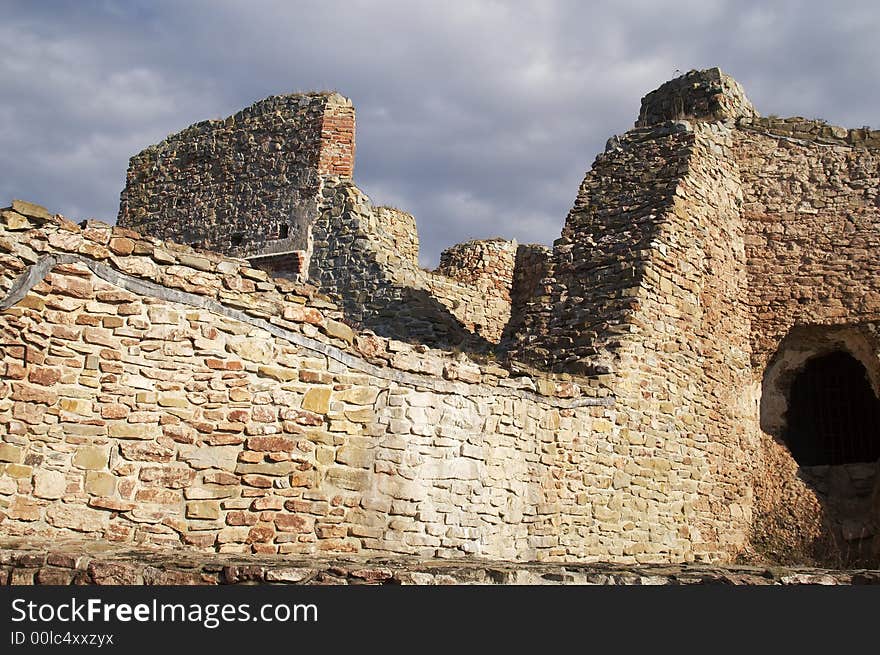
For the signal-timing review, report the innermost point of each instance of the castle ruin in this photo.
(252, 361)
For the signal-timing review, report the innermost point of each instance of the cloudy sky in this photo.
(480, 118)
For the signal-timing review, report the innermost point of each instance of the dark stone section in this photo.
(245, 185)
(83, 564)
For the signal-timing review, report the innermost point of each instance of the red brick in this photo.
(294, 523)
(44, 375)
(241, 518)
(114, 411)
(261, 534)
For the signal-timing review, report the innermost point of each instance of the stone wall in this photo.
(531, 270)
(169, 398)
(246, 184)
(157, 395)
(252, 185)
(357, 260)
(600, 260)
(487, 262)
(696, 248)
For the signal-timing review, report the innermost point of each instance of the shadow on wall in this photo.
(818, 495)
(357, 259)
(532, 265)
(417, 318)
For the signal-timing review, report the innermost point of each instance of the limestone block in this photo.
(203, 509)
(10, 453)
(49, 484)
(317, 399)
(15, 221)
(31, 209)
(206, 457)
(76, 517)
(91, 457)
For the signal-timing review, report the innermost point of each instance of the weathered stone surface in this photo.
(305, 135)
(75, 518)
(54, 566)
(278, 373)
(134, 431)
(31, 209)
(205, 509)
(317, 399)
(339, 330)
(15, 221)
(24, 509)
(294, 523)
(114, 573)
(271, 444)
(359, 395)
(187, 400)
(220, 457)
(93, 458)
(10, 453)
(54, 576)
(100, 484)
(112, 504)
(49, 484)
(289, 574)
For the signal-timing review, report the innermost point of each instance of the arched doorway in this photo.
(833, 415)
(819, 402)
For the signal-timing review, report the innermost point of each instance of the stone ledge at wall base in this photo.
(88, 563)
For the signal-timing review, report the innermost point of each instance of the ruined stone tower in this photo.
(691, 373)
(248, 185)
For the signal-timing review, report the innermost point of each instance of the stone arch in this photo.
(829, 489)
(800, 346)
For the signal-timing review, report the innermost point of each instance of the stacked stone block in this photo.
(401, 228)
(357, 258)
(244, 185)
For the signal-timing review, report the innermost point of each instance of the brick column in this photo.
(337, 138)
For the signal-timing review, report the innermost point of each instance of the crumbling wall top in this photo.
(698, 95)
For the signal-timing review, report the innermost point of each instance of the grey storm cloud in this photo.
(480, 118)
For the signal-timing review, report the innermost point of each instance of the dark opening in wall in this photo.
(284, 232)
(833, 414)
